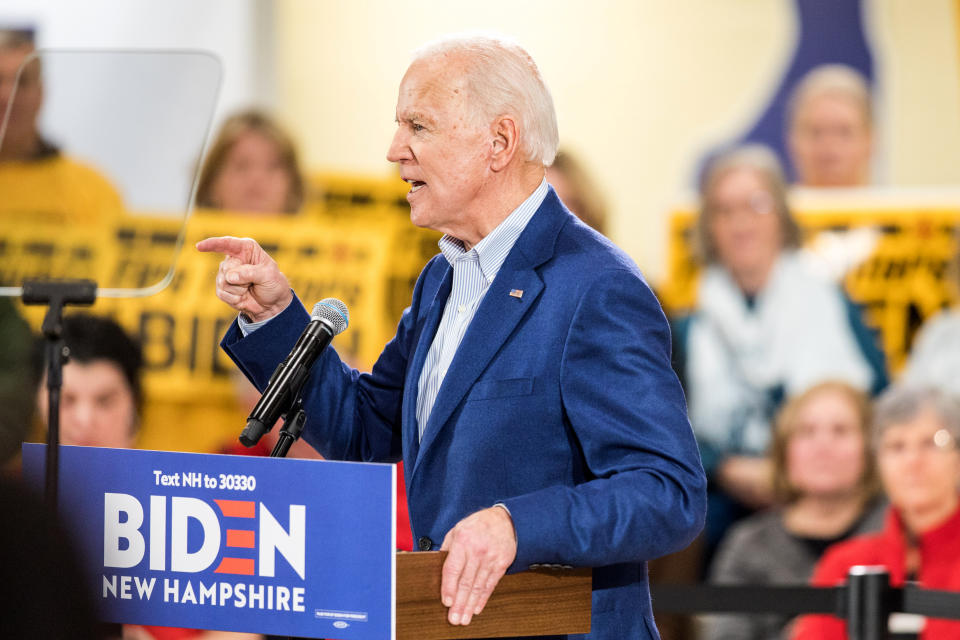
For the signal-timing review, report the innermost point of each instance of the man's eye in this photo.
(417, 126)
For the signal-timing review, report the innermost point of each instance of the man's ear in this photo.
(506, 142)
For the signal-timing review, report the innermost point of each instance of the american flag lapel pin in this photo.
(516, 293)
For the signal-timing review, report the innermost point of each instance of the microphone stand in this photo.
(293, 423)
(56, 294)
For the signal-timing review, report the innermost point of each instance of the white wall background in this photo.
(151, 129)
(642, 87)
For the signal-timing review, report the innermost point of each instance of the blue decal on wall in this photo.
(829, 31)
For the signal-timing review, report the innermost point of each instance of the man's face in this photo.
(97, 407)
(29, 94)
(831, 142)
(441, 150)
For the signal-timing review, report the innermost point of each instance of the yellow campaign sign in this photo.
(909, 275)
(370, 261)
(43, 250)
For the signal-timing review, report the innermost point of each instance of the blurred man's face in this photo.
(97, 407)
(440, 149)
(22, 126)
(831, 142)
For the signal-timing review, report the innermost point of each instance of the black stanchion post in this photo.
(868, 603)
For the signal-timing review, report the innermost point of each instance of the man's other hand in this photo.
(248, 279)
(479, 550)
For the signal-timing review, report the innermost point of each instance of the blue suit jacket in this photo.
(560, 403)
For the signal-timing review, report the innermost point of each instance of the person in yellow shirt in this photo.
(39, 183)
(43, 194)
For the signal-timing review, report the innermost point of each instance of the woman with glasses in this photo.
(915, 436)
(766, 327)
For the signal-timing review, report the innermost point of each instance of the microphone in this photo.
(329, 318)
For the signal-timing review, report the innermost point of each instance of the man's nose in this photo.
(399, 150)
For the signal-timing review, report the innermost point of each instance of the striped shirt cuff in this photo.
(249, 326)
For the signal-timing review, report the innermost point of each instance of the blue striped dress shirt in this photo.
(473, 271)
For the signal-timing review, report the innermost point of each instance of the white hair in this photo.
(836, 80)
(901, 404)
(502, 78)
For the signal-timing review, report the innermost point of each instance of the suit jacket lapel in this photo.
(498, 314)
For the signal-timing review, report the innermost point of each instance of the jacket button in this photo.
(424, 543)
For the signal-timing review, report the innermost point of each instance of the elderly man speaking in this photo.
(528, 388)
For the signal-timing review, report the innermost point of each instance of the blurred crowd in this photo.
(819, 457)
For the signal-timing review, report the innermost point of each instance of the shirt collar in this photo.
(492, 250)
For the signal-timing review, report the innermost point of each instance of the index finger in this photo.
(227, 245)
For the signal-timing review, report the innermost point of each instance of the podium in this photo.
(238, 543)
(540, 601)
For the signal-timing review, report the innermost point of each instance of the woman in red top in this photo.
(916, 435)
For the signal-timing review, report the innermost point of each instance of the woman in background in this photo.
(825, 480)
(251, 167)
(915, 436)
(766, 327)
(577, 190)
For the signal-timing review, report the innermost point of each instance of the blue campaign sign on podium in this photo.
(264, 545)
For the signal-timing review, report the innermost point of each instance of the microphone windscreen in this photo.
(334, 312)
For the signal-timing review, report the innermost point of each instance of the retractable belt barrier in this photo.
(865, 601)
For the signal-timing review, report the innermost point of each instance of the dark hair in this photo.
(13, 38)
(91, 338)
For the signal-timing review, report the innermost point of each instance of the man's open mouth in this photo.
(415, 185)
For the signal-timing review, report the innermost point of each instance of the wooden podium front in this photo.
(538, 602)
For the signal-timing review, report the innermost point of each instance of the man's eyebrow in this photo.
(416, 116)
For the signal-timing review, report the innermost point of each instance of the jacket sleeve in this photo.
(624, 405)
(350, 415)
